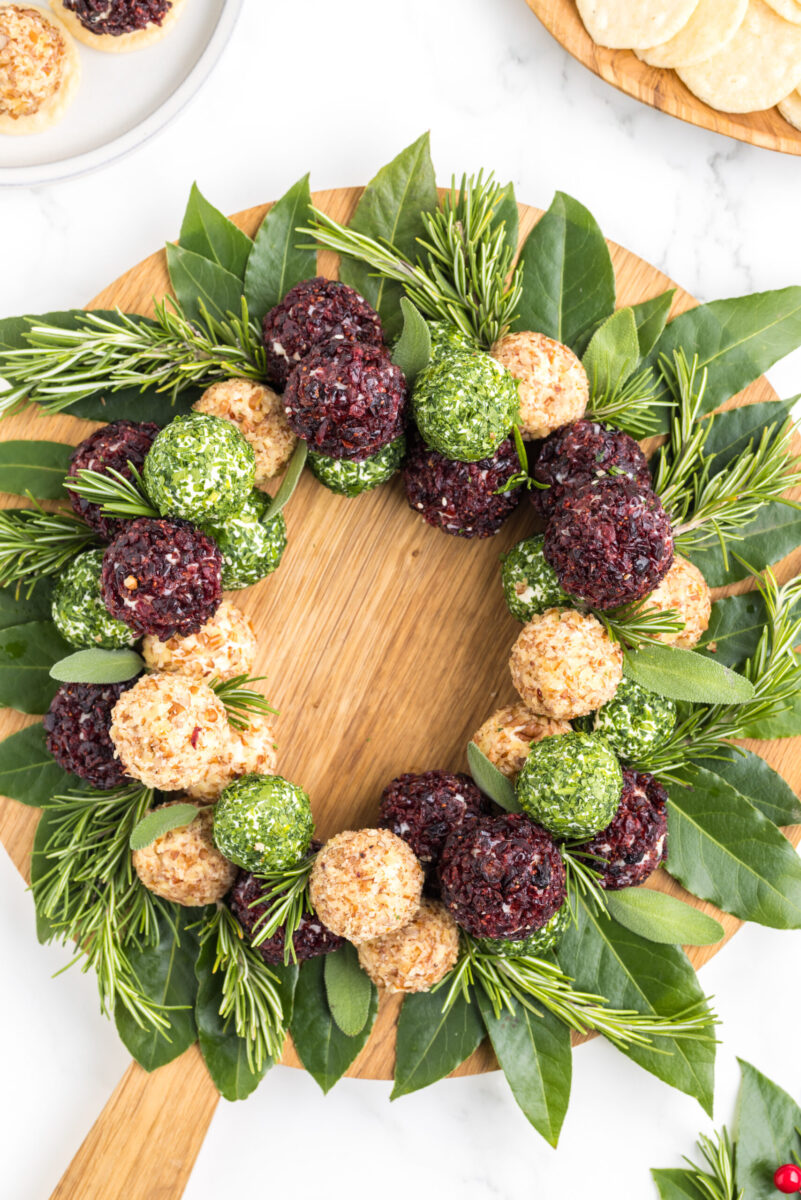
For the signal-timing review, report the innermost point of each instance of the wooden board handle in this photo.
(144, 1144)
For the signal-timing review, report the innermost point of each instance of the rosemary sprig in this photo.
(706, 507)
(250, 990)
(116, 495)
(169, 353)
(582, 881)
(460, 274)
(715, 1177)
(286, 900)
(239, 699)
(629, 404)
(35, 544)
(636, 624)
(91, 896)
(537, 983)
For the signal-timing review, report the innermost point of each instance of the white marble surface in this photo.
(338, 89)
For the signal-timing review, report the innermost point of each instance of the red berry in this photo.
(788, 1179)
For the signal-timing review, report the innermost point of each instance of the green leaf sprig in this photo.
(619, 394)
(159, 821)
(116, 495)
(290, 481)
(638, 624)
(286, 901)
(98, 666)
(681, 674)
(348, 989)
(35, 544)
(239, 700)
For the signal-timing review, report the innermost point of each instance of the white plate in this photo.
(123, 99)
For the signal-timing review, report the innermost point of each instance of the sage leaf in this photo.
(98, 666)
(631, 972)
(28, 772)
(490, 780)
(735, 627)
(613, 352)
(736, 340)
(567, 275)
(413, 348)
(160, 821)
(277, 261)
(724, 850)
(767, 1123)
(348, 989)
(430, 1044)
(208, 232)
(165, 973)
(651, 317)
(224, 1052)
(391, 209)
(27, 652)
(732, 431)
(325, 1051)
(534, 1053)
(676, 1183)
(195, 279)
(289, 482)
(17, 607)
(662, 918)
(34, 468)
(758, 782)
(684, 675)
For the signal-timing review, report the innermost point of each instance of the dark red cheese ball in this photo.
(115, 445)
(116, 17)
(162, 577)
(461, 498)
(77, 725)
(634, 843)
(346, 399)
(424, 809)
(583, 453)
(314, 311)
(501, 877)
(610, 543)
(310, 940)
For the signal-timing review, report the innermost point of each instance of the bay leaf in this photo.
(27, 652)
(732, 431)
(290, 481)
(757, 781)
(684, 675)
(430, 1044)
(28, 772)
(208, 232)
(663, 918)
(34, 468)
(613, 352)
(17, 607)
(651, 317)
(224, 1052)
(506, 214)
(278, 259)
(676, 1183)
(194, 279)
(413, 348)
(348, 989)
(770, 537)
(325, 1051)
(735, 627)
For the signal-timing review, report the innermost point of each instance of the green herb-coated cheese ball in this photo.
(263, 822)
(465, 405)
(447, 338)
(635, 723)
(349, 478)
(530, 584)
(571, 785)
(199, 467)
(251, 547)
(535, 944)
(78, 610)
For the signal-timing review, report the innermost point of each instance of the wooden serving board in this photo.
(385, 645)
(659, 87)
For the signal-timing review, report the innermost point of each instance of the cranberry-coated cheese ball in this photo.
(507, 736)
(583, 453)
(565, 665)
(416, 957)
(634, 844)
(685, 590)
(224, 647)
(114, 447)
(184, 865)
(258, 413)
(424, 809)
(310, 940)
(168, 730)
(249, 751)
(461, 498)
(77, 726)
(365, 883)
(553, 384)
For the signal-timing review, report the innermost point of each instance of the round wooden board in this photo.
(659, 87)
(385, 645)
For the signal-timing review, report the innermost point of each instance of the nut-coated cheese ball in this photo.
(263, 822)
(199, 468)
(553, 384)
(78, 610)
(565, 665)
(684, 590)
(258, 413)
(571, 785)
(416, 957)
(365, 883)
(224, 647)
(249, 751)
(184, 865)
(507, 736)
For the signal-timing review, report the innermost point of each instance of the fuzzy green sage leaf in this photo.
(98, 666)
(160, 821)
(662, 918)
(289, 482)
(348, 989)
(490, 780)
(684, 675)
(413, 347)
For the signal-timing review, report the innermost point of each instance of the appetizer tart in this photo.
(39, 69)
(118, 26)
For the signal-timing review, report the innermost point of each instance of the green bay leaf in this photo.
(735, 627)
(684, 675)
(758, 782)
(27, 652)
(613, 352)
(195, 279)
(651, 317)
(430, 1044)
(768, 1132)
(35, 468)
(28, 772)
(413, 348)
(278, 259)
(208, 232)
(662, 918)
(290, 481)
(325, 1051)
(676, 1183)
(732, 431)
(224, 1052)
(348, 990)
(17, 607)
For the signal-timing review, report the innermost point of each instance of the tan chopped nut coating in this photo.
(251, 751)
(224, 647)
(506, 737)
(553, 384)
(565, 665)
(685, 590)
(168, 730)
(33, 54)
(365, 883)
(184, 865)
(259, 414)
(416, 957)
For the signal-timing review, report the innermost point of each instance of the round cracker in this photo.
(126, 41)
(760, 66)
(623, 25)
(790, 108)
(789, 9)
(53, 109)
(710, 28)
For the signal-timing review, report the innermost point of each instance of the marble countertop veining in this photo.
(339, 89)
